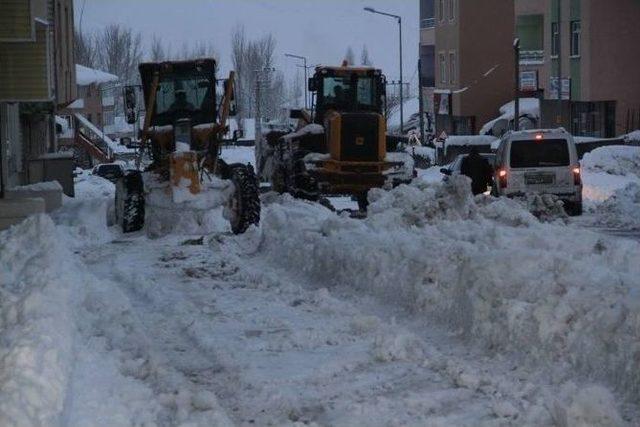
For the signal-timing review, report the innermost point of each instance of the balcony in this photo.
(428, 23)
(532, 57)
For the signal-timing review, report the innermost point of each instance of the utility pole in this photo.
(516, 110)
(421, 101)
(559, 117)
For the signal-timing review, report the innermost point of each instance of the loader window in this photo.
(337, 91)
(182, 94)
(366, 92)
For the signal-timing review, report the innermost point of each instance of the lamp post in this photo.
(399, 18)
(290, 55)
(516, 110)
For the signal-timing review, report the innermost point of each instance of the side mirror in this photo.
(237, 134)
(296, 114)
(312, 85)
(445, 171)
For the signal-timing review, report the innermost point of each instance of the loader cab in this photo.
(347, 90)
(184, 90)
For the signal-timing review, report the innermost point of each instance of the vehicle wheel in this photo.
(573, 208)
(363, 202)
(278, 181)
(129, 203)
(244, 204)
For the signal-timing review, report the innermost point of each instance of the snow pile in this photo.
(607, 169)
(175, 210)
(614, 160)
(485, 267)
(622, 209)
(35, 325)
(633, 136)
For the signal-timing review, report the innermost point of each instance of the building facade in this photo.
(592, 48)
(467, 61)
(37, 78)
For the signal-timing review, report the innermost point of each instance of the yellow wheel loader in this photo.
(340, 147)
(184, 125)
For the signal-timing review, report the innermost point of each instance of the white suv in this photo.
(539, 161)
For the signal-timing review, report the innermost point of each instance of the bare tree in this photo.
(157, 50)
(253, 61)
(120, 51)
(295, 95)
(350, 57)
(364, 57)
(84, 49)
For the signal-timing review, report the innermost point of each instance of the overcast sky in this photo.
(319, 29)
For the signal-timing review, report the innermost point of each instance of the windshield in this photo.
(345, 92)
(182, 94)
(544, 153)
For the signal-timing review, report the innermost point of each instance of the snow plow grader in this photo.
(340, 146)
(182, 133)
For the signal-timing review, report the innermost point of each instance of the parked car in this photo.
(454, 167)
(110, 171)
(540, 161)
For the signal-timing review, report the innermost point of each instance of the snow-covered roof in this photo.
(86, 76)
(78, 104)
(462, 140)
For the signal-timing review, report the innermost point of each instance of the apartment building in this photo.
(473, 61)
(593, 46)
(37, 77)
(428, 60)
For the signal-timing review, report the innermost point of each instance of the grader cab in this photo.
(340, 147)
(184, 125)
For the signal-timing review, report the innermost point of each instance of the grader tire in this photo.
(129, 202)
(245, 201)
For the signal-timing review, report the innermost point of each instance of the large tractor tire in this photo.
(245, 201)
(130, 202)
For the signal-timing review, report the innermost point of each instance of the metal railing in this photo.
(428, 23)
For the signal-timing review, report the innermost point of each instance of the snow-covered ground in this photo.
(439, 309)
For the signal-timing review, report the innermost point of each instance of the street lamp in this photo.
(290, 55)
(399, 18)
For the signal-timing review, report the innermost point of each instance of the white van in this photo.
(539, 161)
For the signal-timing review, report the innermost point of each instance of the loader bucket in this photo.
(183, 169)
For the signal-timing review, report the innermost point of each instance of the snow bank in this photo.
(36, 331)
(608, 169)
(622, 209)
(485, 267)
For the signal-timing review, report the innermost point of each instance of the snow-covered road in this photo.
(437, 310)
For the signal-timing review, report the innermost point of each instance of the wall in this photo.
(615, 56)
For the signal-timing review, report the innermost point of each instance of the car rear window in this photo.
(539, 154)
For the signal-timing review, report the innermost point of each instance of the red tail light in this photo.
(577, 178)
(502, 178)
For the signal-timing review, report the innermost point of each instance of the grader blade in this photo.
(183, 169)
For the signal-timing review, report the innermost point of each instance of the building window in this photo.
(452, 67)
(452, 10)
(575, 38)
(443, 68)
(555, 39)
(440, 10)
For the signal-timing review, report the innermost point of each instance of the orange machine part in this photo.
(184, 166)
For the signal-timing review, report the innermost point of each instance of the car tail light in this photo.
(577, 178)
(502, 178)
